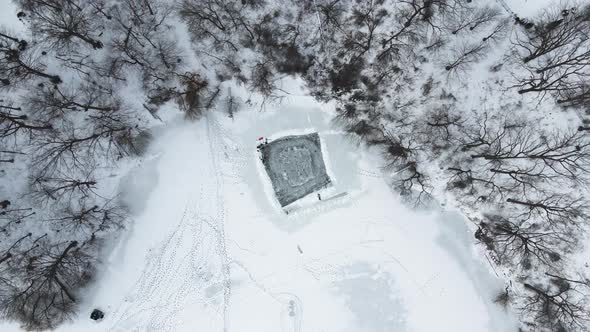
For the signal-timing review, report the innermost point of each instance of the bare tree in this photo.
(72, 151)
(558, 28)
(13, 121)
(366, 17)
(11, 217)
(514, 157)
(576, 96)
(471, 18)
(49, 276)
(563, 154)
(142, 40)
(524, 245)
(413, 184)
(556, 56)
(441, 126)
(218, 20)
(473, 183)
(263, 79)
(62, 187)
(195, 98)
(63, 23)
(410, 20)
(20, 62)
(86, 66)
(53, 101)
(330, 14)
(466, 55)
(83, 217)
(558, 210)
(560, 304)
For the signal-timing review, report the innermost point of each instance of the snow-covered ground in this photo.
(8, 16)
(210, 250)
(527, 8)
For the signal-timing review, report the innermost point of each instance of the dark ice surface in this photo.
(295, 165)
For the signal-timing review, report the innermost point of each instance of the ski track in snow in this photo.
(216, 140)
(191, 263)
(229, 158)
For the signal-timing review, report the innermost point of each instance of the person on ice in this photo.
(260, 144)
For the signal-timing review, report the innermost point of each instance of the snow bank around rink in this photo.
(331, 194)
(210, 251)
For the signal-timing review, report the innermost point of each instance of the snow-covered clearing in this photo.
(527, 8)
(210, 251)
(8, 16)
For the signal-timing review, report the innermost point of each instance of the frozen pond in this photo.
(211, 249)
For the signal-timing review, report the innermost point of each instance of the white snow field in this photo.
(209, 248)
(527, 8)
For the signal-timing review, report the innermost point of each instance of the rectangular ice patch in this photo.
(295, 165)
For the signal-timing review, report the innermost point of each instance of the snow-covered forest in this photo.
(462, 102)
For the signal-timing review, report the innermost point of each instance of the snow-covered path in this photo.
(210, 251)
(174, 259)
(191, 266)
